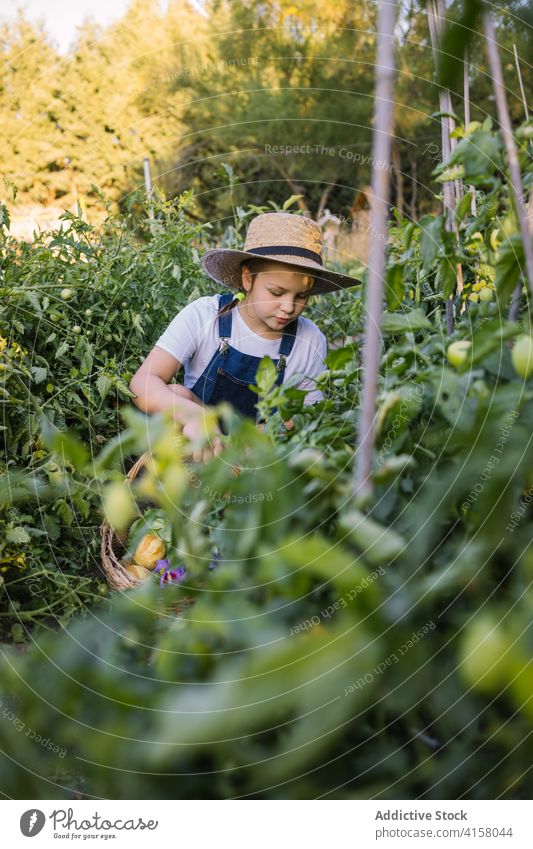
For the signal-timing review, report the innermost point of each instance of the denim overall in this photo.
(229, 372)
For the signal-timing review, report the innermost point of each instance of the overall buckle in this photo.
(224, 344)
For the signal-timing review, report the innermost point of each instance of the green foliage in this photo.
(302, 645)
(61, 389)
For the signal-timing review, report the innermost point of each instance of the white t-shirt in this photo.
(192, 337)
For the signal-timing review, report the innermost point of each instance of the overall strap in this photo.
(287, 342)
(224, 321)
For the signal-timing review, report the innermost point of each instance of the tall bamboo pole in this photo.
(148, 185)
(381, 165)
(466, 96)
(510, 146)
(445, 105)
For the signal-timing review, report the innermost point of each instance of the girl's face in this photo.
(276, 296)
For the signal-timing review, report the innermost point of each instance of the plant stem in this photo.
(381, 153)
(37, 407)
(521, 84)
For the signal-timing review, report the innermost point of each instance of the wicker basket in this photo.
(113, 547)
(113, 544)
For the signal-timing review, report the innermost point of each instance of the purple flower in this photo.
(215, 561)
(169, 575)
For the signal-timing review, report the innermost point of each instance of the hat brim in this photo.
(224, 266)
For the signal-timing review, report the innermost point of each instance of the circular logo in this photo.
(32, 822)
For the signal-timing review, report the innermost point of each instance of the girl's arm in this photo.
(150, 384)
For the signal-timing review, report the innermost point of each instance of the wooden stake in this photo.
(148, 184)
(466, 94)
(381, 166)
(445, 105)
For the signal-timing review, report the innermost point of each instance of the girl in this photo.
(221, 339)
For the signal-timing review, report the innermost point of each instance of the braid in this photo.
(236, 300)
(228, 307)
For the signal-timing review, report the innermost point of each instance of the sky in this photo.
(62, 17)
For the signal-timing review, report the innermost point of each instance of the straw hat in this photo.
(282, 237)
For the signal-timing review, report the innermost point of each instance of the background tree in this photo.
(281, 77)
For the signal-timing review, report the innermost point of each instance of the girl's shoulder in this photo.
(200, 310)
(205, 304)
(307, 329)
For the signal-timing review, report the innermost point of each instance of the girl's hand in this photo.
(195, 430)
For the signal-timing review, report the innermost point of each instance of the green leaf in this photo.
(480, 155)
(39, 373)
(64, 444)
(463, 206)
(405, 322)
(447, 276)
(64, 512)
(490, 337)
(103, 384)
(378, 544)
(81, 504)
(509, 259)
(336, 359)
(431, 227)
(289, 202)
(266, 376)
(394, 287)
(63, 348)
(457, 37)
(51, 526)
(137, 323)
(87, 358)
(33, 299)
(17, 535)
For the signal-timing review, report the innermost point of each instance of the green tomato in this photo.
(88, 312)
(475, 244)
(49, 387)
(55, 317)
(485, 295)
(481, 389)
(76, 328)
(521, 680)
(482, 655)
(119, 506)
(522, 356)
(494, 240)
(457, 352)
(66, 294)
